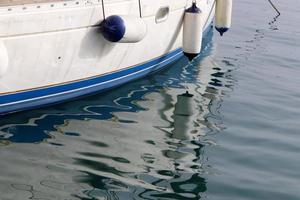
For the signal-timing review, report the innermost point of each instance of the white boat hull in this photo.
(55, 51)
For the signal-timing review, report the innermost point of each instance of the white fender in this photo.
(123, 29)
(136, 29)
(223, 15)
(192, 32)
(3, 59)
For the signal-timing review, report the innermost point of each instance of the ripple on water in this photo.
(238, 139)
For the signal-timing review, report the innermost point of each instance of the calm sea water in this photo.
(239, 139)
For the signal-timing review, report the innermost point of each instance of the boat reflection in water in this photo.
(147, 143)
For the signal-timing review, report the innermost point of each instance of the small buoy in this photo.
(3, 59)
(192, 32)
(223, 15)
(123, 29)
(184, 105)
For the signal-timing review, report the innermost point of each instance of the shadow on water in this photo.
(144, 140)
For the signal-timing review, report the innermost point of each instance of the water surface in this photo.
(239, 139)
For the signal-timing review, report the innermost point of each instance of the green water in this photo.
(239, 139)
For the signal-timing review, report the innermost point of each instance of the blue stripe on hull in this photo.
(59, 93)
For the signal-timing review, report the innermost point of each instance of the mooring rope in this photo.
(140, 8)
(212, 8)
(273, 5)
(103, 9)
